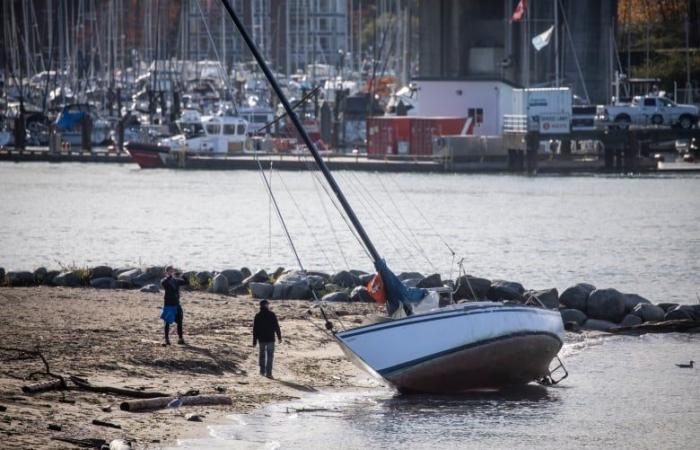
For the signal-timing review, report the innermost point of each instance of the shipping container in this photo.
(424, 129)
(388, 135)
(548, 110)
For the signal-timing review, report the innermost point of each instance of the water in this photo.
(637, 234)
(622, 393)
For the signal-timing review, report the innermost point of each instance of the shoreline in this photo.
(113, 338)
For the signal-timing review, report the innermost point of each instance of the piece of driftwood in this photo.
(85, 385)
(43, 387)
(162, 402)
(102, 423)
(87, 443)
(668, 326)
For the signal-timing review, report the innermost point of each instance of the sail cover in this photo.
(398, 295)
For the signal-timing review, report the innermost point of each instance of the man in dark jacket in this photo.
(172, 311)
(265, 326)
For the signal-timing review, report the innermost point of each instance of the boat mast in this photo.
(302, 132)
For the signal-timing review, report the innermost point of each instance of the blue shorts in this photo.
(169, 314)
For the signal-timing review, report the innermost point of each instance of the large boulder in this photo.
(361, 294)
(630, 320)
(101, 272)
(505, 290)
(50, 275)
(606, 304)
(20, 278)
(292, 290)
(69, 279)
(220, 284)
(276, 274)
(340, 296)
(576, 297)
(471, 288)
(155, 272)
(203, 279)
(548, 297)
(120, 270)
(649, 313)
(129, 275)
(598, 325)
(41, 275)
(261, 290)
(632, 300)
(573, 315)
(431, 281)
(146, 278)
(682, 312)
(365, 279)
(667, 306)
(234, 277)
(411, 282)
(2, 276)
(316, 282)
(258, 277)
(150, 288)
(103, 283)
(246, 272)
(346, 279)
(410, 276)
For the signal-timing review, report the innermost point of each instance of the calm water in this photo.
(621, 393)
(637, 234)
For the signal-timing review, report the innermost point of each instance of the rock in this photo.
(261, 290)
(220, 284)
(129, 275)
(144, 279)
(233, 276)
(292, 290)
(40, 275)
(246, 272)
(606, 304)
(50, 276)
(316, 282)
(122, 284)
(104, 283)
(101, 272)
(150, 288)
(410, 275)
(20, 278)
(573, 326)
(365, 279)
(194, 417)
(2, 276)
(682, 312)
(505, 290)
(667, 306)
(340, 296)
(277, 273)
(573, 315)
(548, 297)
(576, 297)
(258, 277)
(361, 294)
(480, 286)
(120, 444)
(346, 279)
(411, 282)
(68, 279)
(322, 275)
(156, 272)
(598, 325)
(120, 270)
(203, 279)
(630, 320)
(431, 281)
(632, 300)
(649, 313)
(358, 273)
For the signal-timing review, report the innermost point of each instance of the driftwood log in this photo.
(43, 387)
(85, 385)
(162, 402)
(668, 326)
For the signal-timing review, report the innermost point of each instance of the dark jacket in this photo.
(265, 326)
(171, 286)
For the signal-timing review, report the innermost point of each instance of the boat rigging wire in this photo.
(330, 222)
(279, 214)
(294, 106)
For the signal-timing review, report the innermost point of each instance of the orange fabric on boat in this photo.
(376, 289)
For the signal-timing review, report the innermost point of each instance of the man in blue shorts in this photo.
(172, 311)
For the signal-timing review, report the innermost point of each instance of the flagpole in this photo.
(556, 42)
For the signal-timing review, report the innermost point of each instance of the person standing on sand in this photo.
(172, 311)
(265, 326)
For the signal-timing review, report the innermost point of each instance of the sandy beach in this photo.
(114, 338)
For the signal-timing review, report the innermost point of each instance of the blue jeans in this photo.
(267, 354)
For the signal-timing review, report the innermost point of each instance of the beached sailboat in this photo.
(444, 350)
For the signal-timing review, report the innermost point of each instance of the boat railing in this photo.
(514, 123)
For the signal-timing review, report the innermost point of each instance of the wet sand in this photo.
(114, 338)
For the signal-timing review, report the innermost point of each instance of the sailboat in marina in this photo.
(457, 348)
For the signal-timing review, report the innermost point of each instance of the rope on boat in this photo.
(330, 222)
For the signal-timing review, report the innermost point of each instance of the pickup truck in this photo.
(650, 110)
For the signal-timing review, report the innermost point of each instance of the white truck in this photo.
(650, 110)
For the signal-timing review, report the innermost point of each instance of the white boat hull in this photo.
(459, 348)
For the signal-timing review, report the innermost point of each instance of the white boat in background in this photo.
(458, 348)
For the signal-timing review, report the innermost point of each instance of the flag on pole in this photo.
(542, 40)
(519, 11)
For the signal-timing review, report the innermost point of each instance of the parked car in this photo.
(651, 110)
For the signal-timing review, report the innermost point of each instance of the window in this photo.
(214, 128)
(229, 128)
(476, 114)
(666, 102)
(241, 128)
(649, 102)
